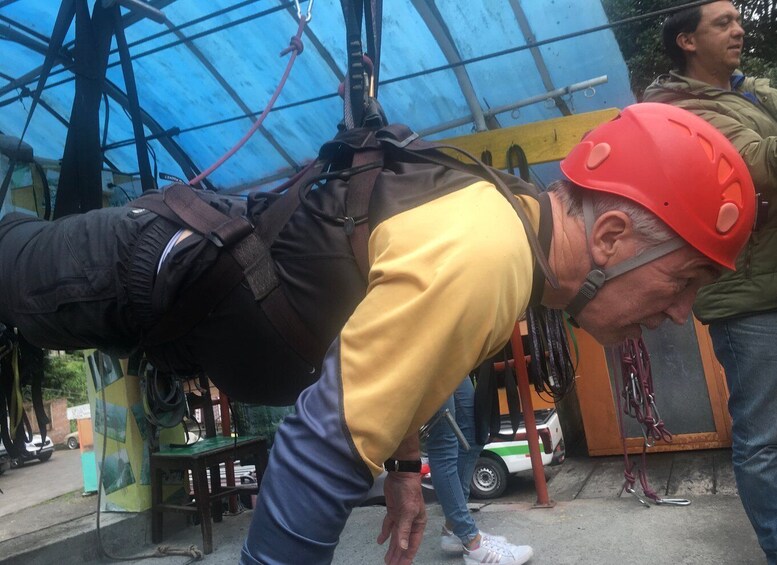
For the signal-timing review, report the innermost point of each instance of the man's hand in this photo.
(405, 517)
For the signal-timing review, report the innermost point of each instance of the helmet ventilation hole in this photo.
(724, 169)
(707, 146)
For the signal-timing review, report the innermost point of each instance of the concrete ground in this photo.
(36, 482)
(592, 522)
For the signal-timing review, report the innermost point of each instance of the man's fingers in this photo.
(403, 529)
(385, 530)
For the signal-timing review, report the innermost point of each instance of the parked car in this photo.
(72, 441)
(503, 457)
(36, 450)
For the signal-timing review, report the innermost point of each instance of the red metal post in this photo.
(226, 430)
(533, 438)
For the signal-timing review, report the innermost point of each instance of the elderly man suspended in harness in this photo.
(655, 204)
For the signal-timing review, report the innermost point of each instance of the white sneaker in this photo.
(492, 550)
(492, 536)
(450, 542)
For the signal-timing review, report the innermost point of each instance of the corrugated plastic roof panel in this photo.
(212, 67)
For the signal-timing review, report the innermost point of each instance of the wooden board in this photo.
(545, 141)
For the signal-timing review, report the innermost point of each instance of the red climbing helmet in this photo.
(679, 167)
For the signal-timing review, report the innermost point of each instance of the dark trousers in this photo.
(89, 281)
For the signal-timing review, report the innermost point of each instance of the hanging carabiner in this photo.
(309, 14)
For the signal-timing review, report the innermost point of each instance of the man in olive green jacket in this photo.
(705, 43)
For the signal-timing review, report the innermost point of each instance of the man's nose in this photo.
(738, 31)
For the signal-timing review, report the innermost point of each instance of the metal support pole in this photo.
(533, 438)
(591, 83)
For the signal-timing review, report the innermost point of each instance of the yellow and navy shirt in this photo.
(448, 279)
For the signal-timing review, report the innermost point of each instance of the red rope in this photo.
(295, 48)
(637, 392)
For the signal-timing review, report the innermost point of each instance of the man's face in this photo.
(718, 39)
(646, 296)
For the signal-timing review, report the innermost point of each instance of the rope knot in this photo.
(295, 44)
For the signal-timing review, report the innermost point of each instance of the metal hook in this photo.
(451, 421)
(589, 92)
(673, 501)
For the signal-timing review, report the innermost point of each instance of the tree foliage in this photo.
(640, 41)
(65, 377)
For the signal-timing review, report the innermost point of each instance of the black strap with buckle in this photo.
(398, 466)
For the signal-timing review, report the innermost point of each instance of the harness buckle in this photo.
(349, 224)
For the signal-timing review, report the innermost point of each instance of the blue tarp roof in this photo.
(211, 68)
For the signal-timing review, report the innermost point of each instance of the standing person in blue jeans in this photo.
(706, 44)
(452, 467)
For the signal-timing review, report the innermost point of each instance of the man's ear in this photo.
(685, 41)
(611, 234)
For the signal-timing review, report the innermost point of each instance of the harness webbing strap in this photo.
(205, 219)
(430, 152)
(373, 19)
(146, 177)
(21, 363)
(280, 211)
(33, 358)
(80, 180)
(276, 305)
(7, 180)
(16, 411)
(511, 392)
(357, 95)
(291, 327)
(253, 255)
(357, 204)
(236, 234)
(248, 258)
(596, 276)
(354, 95)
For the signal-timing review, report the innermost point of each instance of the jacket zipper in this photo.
(748, 257)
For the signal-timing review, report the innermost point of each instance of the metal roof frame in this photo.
(428, 10)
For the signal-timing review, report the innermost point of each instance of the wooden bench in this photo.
(198, 458)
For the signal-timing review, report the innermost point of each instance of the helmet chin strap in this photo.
(596, 277)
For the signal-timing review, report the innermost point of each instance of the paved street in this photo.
(37, 482)
(593, 520)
